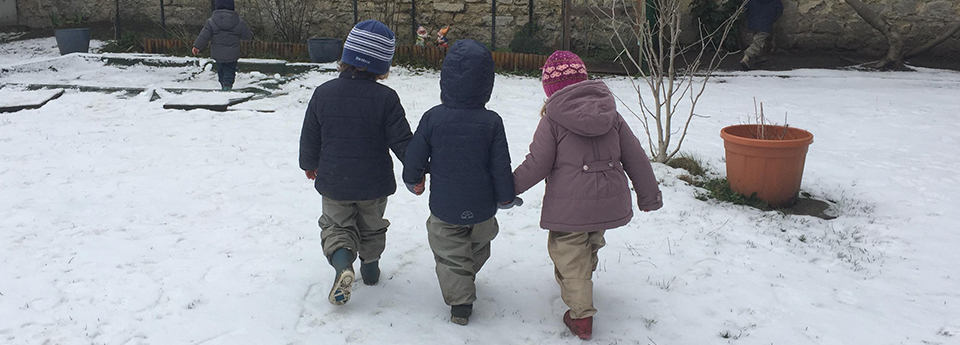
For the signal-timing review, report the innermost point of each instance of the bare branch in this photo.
(937, 41)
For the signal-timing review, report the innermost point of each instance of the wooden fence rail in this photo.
(260, 49)
(430, 55)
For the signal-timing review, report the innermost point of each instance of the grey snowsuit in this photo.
(223, 31)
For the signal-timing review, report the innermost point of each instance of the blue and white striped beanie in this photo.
(369, 45)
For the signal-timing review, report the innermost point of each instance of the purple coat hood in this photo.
(586, 151)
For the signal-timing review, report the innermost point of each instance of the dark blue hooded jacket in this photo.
(463, 142)
(761, 14)
(350, 127)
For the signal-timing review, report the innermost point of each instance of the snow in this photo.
(206, 99)
(10, 97)
(34, 49)
(129, 224)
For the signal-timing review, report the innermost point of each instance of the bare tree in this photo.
(895, 42)
(290, 18)
(673, 71)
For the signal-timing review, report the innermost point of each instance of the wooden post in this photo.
(413, 19)
(493, 25)
(163, 19)
(356, 14)
(565, 12)
(530, 10)
(116, 23)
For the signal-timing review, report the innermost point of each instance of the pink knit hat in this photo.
(562, 69)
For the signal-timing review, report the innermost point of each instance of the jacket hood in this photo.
(466, 78)
(226, 19)
(224, 5)
(586, 108)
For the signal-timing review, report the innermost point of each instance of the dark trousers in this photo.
(227, 73)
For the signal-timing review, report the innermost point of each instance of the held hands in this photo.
(197, 52)
(516, 202)
(311, 174)
(418, 188)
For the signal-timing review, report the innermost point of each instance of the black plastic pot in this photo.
(73, 40)
(324, 49)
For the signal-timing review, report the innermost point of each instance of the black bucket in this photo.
(73, 40)
(324, 49)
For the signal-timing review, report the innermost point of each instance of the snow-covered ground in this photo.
(124, 223)
(35, 49)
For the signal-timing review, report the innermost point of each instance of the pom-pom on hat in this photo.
(562, 69)
(369, 45)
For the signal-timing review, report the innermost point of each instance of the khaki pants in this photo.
(574, 257)
(460, 252)
(757, 45)
(356, 225)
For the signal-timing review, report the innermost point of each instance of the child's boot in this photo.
(745, 63)
(370, 272)
(225, 87)
(342, 261)
(460, 314)
(582, 328)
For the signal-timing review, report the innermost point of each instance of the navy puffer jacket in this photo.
(463, 142)
(762, 14)
(350, 127)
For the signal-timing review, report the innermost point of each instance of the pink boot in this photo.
(582, 328)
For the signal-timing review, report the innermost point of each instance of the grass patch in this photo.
(692, 165)
(719, 189)
(699, 174)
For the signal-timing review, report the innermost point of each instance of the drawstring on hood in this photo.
(586, 108)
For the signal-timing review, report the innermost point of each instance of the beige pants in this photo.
(757, 45)
(460, 251)
(356, 225)
(574, 257)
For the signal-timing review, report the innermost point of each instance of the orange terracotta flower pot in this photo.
(772, 166)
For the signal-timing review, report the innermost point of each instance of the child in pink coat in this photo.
(585, 151)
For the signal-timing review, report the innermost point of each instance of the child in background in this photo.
(223, 31)
(585, 151)
(761, 16)
(350, 126)
(465, 146)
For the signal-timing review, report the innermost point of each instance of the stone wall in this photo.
(833, 25)
(829, 25)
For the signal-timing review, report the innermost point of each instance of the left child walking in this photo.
(351, 124)
(223, 31)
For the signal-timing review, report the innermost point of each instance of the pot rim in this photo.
(805, 140)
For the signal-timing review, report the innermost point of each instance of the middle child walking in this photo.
(463, 147)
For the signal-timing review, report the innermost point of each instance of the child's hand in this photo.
(197, 52)
(516, 202)
(418, 188)
(311, 174)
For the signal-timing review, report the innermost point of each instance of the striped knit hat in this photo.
(369, 45)
(562, 69)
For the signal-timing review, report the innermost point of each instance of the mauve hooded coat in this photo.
(585, 151)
